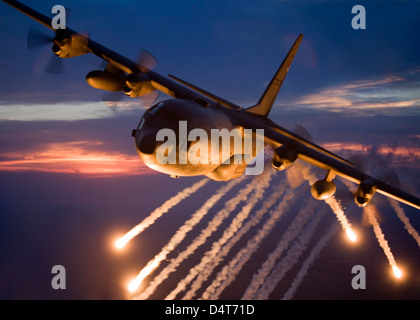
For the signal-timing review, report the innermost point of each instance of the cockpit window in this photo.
(155, 108)
(141, 123)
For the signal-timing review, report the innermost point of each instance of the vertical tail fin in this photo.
(266, 101)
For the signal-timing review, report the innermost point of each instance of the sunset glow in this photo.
(73, 157)
(410, 155)
(359, 94)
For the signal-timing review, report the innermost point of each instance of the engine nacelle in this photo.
(67, 45)
(323, 189)
(283, 157)
(137, 85)
(364, 193)
(105, 80)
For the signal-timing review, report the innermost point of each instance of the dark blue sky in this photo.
(69, 175)
(229, 47)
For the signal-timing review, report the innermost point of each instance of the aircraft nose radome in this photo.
(147, 144)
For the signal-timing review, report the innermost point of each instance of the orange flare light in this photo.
(351, 235)
(397, 272)
(120, 243)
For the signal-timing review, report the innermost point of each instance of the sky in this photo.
(71, 181)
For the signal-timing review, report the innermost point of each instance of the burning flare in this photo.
(351, 235)
(371, 211)
(397, 272)
(341, 217)
(135, 283)
(158, 212)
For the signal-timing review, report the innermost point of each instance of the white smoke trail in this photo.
(200, 239)
(292, 232)
(306, 265)
(229, 272)
(291, 258)
(221, 248)
(408, 226)
(336, 208)
(158, 212)
(182, 232)
(306, 172)
(332, 202)
(350, 185)
(341, 217)
(370, 209)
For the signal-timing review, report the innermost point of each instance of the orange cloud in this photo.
(74, 157)
(406, 155)
(79, 157)
(405, 151)
(388, 92)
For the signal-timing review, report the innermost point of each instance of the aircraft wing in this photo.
(276, 136)
(338, 167)
(77, 44)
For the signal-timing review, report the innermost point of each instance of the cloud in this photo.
(60, 111)
(73, 157)
(399, 150)
(69, 111)
(98, 146)
(400, 155)
(385, 93)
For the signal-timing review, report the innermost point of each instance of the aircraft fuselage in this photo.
(188, 138)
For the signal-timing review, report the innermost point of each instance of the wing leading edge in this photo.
(118, 61)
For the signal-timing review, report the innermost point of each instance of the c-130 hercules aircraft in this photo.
(202, 110)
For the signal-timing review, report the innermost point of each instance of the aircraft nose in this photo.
(147, 143)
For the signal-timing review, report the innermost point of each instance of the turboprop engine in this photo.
(364, 193)
(323, 189)
(137, 85)
(283, 157)
(68, 45)
(105, 80)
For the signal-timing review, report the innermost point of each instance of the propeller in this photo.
(294, 173)
(113, 99)
(37, 39)
(377, 165)
(55, 65)
(146, 61)
(302, 131)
